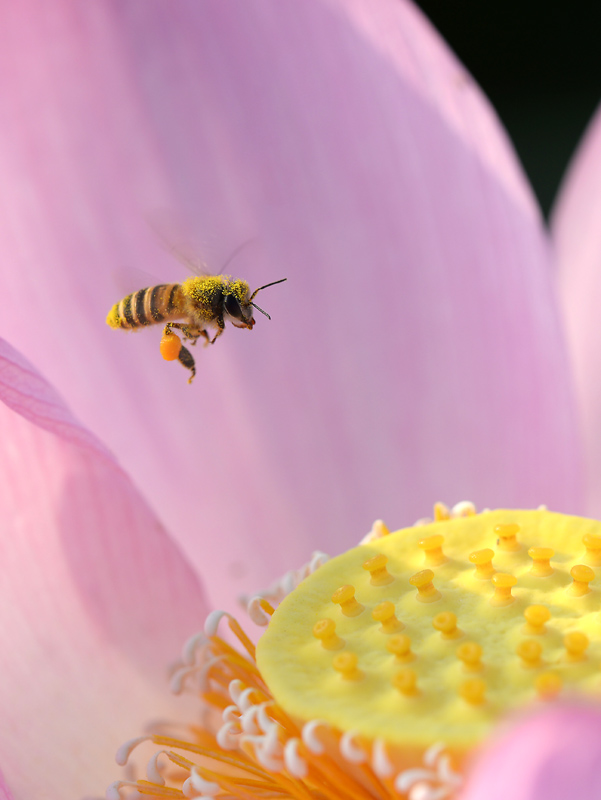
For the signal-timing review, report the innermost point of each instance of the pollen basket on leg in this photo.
(436, 631)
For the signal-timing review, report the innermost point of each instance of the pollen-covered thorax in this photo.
(431, 633)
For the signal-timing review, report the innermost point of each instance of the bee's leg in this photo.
(220, 329)
(186, 358)
(192, 333)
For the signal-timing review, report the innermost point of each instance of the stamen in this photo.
(345, 598)
(592, 542)
(426, 591)
(503, 584)
(376, 566)
(310, 738)
(541, 556)
(536, 616)
(385, 613)
(325, 631)
(259, 610)
(482, 559)
(507, 534)
(446, 623)
(351, 750)
(582, 576)
(432, 547)
(123, 753)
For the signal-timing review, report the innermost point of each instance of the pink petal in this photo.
(577, 235)
(553, 755)
(415, 352)
(95, 599)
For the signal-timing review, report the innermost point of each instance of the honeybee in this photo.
(191, 307)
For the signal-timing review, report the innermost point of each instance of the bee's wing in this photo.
(174, 238)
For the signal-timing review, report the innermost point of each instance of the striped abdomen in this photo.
(147, 307)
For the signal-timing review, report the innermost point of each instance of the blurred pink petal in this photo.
(95, 599)
(552, 755)
(414, 353)
(577, 234)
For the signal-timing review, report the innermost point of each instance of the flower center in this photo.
(385, 666)
(433, 632)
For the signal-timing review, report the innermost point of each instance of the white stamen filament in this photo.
(379, 760)
(350, 750)
(295, 765)
(123, 753)
(310, 738)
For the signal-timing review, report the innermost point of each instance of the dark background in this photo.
(540, 65)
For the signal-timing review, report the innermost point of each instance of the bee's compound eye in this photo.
(232, 306)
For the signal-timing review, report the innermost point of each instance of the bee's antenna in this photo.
(260, 289)
(260, 309)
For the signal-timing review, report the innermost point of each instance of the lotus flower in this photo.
(419, 349)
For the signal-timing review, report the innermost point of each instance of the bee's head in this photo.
(238, 303)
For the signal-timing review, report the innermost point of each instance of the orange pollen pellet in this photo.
(541, 556)
(506, 535)
(575, 644)
(530, 652)
(503, 584)
(400, 646)
(385, 613)
(473, 691)
(470, 653)
(345, 598)
(482, 559)
(547, 685)
(582, 576)
(376, 567)
(446, 623)
(426, 591)
(536, 616)
(592, 542)
(325, 631)
(346, 665)
(170, 346)
(432, 547)
(441, 512)
(405, 681)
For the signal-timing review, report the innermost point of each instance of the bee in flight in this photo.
(191, 307)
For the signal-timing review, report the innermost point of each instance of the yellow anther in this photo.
(345, 598)
(530, 652)
(400, 646)
(582, 576)
(547, 685)
(170, 346)
(503, 584)
(471, 654)
(473, 691)
(446, 623)
(346, 665)
(426, 591)
(405, 681)
(592, 542)
(432, 547)
(506, 536)
(376, 567)
(385, 613)
(536, 616)
(441, 512)
(325, 631)
(482, 559)
(575, 644)
(541, 556)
